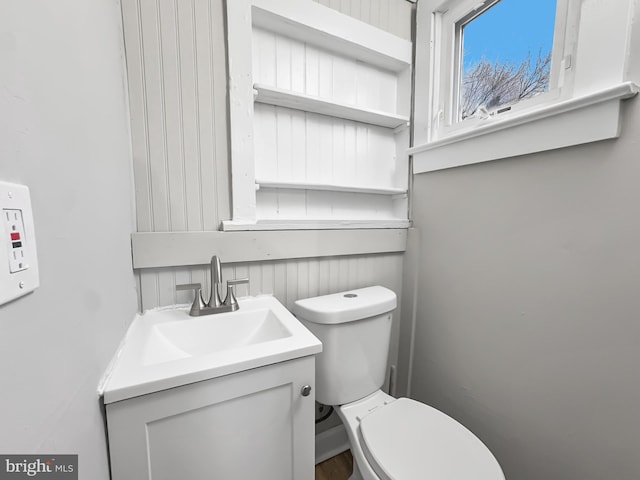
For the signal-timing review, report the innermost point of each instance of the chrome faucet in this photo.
(216, 279)
(214, 305)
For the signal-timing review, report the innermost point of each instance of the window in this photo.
(490, 51)
(504, 57)
(505, 77)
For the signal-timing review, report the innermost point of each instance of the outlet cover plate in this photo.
(18, 254)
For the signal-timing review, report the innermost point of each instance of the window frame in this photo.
(580, 78)
(454, 15)
(558, 52)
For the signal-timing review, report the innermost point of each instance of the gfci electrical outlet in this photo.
(19, 269)
(15, 228)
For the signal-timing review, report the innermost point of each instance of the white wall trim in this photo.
(241, 109)
(172, 249)
(330, 443)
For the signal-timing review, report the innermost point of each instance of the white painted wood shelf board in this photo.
(276, 224)
(314, 24)
(264, 183)
(308, 103)
(172, 249)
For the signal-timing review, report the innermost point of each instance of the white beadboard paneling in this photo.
(289, 64)
(284, 153)
(318, 205)
(334, 149)
(266, 141)
(264, 55)
(391, 15)
(177, 90)
(298, 131)
(157, 286)
(131, 18)
(189, 144)
(177, 80)
(268, 198)
(282, 63)
(154, 92)
(287, 280)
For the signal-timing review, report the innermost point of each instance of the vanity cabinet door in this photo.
(250, 425)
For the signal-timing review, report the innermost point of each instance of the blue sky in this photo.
(509, 30)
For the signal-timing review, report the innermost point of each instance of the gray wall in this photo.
(63, 132)
(528, 326)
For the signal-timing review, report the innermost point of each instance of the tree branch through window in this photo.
(492, 85)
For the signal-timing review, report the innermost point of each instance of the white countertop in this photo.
(144, 364)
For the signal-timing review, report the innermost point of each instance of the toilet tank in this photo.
(354, 328)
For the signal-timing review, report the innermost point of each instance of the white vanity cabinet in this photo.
(254, 424)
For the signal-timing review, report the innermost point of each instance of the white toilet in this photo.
(391, 439)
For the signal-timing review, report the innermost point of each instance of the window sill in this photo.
(585, 119)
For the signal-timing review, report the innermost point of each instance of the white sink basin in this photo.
(166, 348)
(174, 339)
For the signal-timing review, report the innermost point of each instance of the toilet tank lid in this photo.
(346, 306)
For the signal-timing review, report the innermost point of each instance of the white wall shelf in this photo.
(332, 225)
(263, 183)
(299, 101)
(326, 28)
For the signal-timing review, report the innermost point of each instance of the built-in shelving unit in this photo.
(319, 120)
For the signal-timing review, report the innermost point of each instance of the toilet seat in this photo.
(408, 440)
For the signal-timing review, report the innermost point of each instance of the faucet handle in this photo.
(198, 304)
(231, 299)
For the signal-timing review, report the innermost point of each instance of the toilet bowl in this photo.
(404, 439)
(390, 439)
